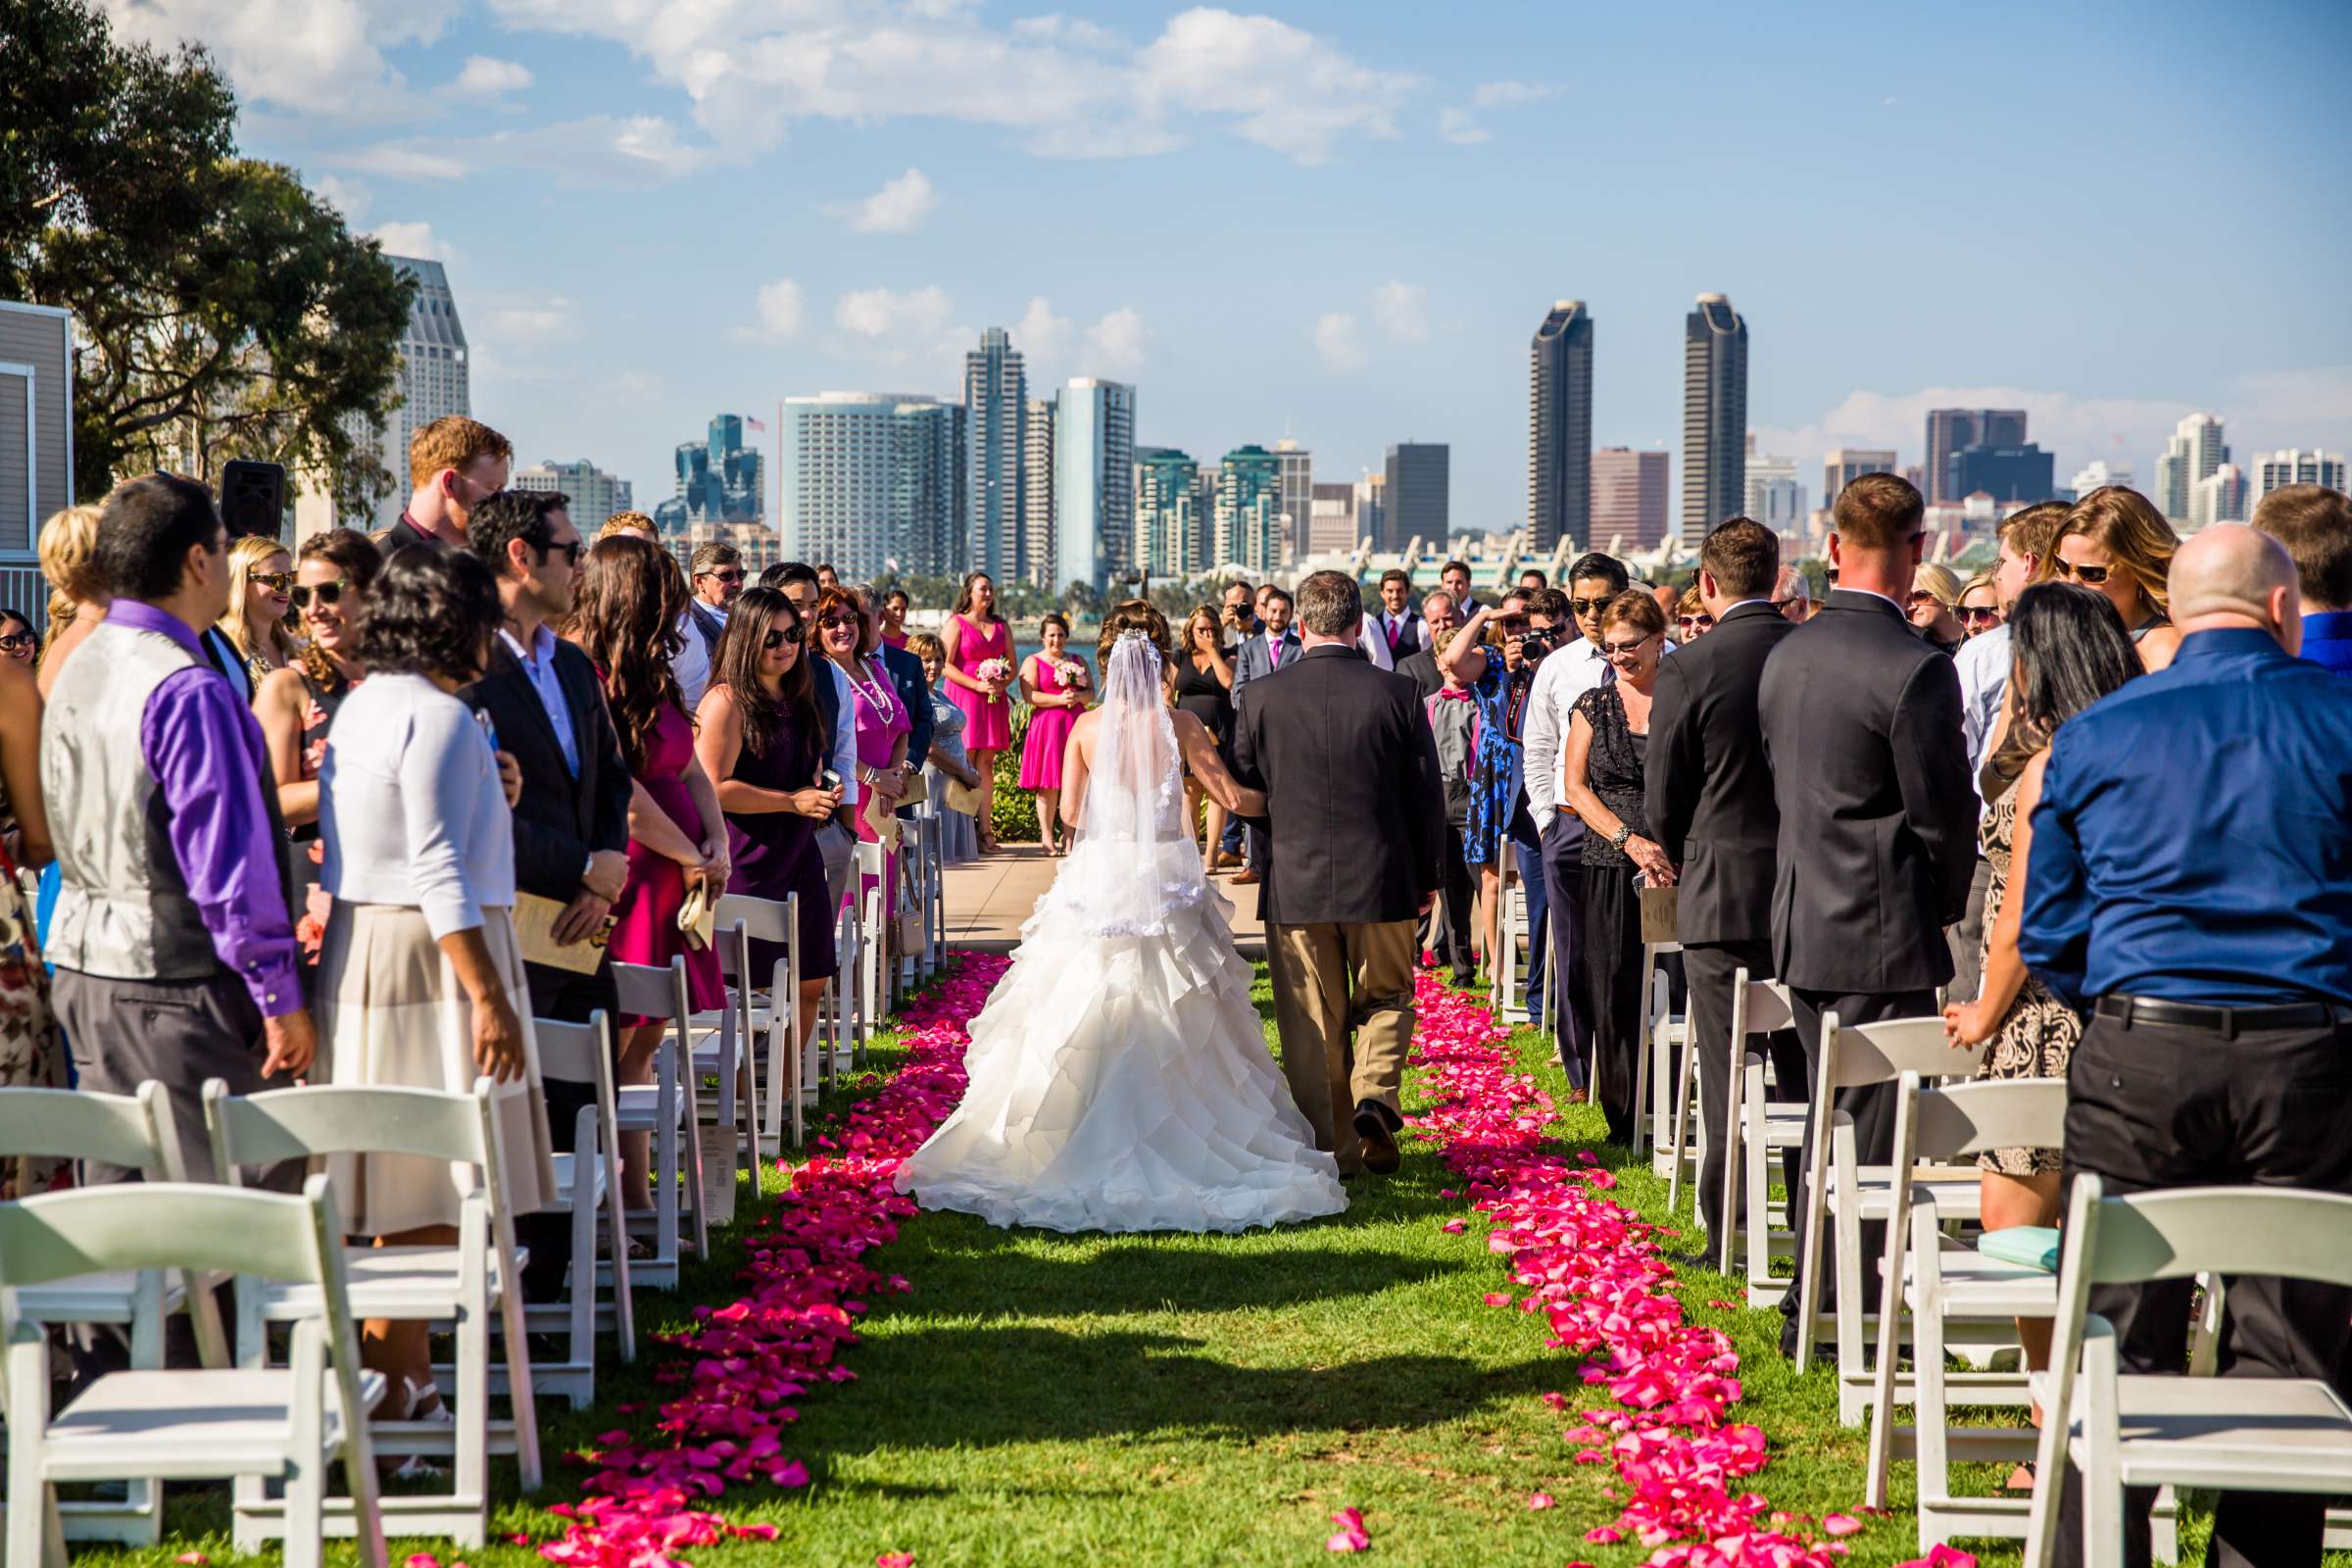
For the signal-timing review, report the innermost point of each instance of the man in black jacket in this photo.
(1861, 723)
(1351, 776)
(1711, 808)
(571, 821)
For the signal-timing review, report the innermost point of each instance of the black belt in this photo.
(2227, 1021)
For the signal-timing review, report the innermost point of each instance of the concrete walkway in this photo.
(988, 898)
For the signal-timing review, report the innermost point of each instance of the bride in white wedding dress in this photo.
(1120, 1078)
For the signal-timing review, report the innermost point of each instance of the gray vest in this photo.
(123, 907)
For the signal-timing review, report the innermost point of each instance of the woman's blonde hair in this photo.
(2133, 535)
(69, 549)
(922, 645)
(1940, 580)
(245, 556)
(1984, 580)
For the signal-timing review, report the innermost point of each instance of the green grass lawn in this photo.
(1175, 1400)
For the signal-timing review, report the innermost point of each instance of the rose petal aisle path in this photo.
(851, 1381)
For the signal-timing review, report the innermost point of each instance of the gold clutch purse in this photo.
(697, 917)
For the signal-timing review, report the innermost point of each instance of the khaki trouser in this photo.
(1344, 1004)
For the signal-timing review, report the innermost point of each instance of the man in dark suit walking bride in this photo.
(1350, 770)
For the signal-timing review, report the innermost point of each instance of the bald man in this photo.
(2191, 888)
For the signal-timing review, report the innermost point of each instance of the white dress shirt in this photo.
(1983, 662)
(1566, 673)
(692, 666)
(539, 663)
(1375, 644)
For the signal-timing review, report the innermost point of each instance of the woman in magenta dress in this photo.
(850, 637)
(893, 619)
(979, 672)
(761, 736)
(1056, 687)
(627, 617)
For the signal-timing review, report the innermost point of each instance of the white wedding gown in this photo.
(1120, 1078)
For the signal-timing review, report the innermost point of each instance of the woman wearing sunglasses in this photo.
(1934, 611)
(1979, 606)
(17, 640)
(1602, 781)
(1691, 618)
(2115, 543)
(762, 738)
(297, 704)
(261, 580)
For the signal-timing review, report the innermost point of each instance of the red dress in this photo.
(645, 922)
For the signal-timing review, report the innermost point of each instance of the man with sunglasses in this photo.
(716, 571)
(571, 821)
(455, 465)
(1573, 669)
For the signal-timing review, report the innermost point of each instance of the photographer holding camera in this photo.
(1495, 655)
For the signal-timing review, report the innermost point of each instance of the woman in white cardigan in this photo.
(421, 982)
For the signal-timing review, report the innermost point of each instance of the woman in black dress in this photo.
(1602, 781)
(762, 739)
(1200, 678)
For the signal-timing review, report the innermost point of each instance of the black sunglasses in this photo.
(727, 575)
(780, 636)
(326, 593)
(1703, 622)
(1984, 613)
(570, 552)
(10, 642)
(1587, 607)
(2090, 575)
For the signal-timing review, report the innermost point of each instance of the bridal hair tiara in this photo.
(1134, 634)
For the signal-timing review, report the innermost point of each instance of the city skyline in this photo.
(1002, 171)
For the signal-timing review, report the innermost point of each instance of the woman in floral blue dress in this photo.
(1485, 655)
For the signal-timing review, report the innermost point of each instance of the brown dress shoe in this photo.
(1247, 875)
(1382, 1156)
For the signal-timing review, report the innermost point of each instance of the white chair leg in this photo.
(473, 1479)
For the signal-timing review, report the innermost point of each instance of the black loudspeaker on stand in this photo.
(252, 498)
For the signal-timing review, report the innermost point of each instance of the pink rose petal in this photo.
(1839, 1524)
(1539, 1503)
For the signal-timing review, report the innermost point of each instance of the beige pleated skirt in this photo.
(393, 1013)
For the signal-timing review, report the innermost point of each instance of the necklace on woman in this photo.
(877, 693)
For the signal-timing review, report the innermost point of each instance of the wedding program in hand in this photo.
(1119, 1079)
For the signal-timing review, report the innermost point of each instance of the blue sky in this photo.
(1341, 222)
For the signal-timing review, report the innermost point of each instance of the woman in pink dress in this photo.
(850, 637)
(1056, 687)
(627, 617)
(977, 642)
(893, 619)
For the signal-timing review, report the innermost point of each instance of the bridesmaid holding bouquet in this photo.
(1056, 687)
(979, 672)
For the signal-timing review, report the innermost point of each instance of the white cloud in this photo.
(2262, 411)
(485, 77)
(1402, 311)
(322, 58)
(1118, 339)
(349, 197)
(897, 208)
(1072, 87)
(1457, 125)
(1338, 342)
(781, 310)
(414, 240)
(885, 312)
(1041, 336)
(530, 319)
(1288, 90)
(601, 151)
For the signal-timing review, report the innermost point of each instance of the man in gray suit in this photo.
(1877, 838)
(1273, 648)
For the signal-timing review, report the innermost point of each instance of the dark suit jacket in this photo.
(1861, 725)
(1709, 789)
(906, 679)
(559, 819)
(1408, 633)
(1251, 661)
(1350, 774)
(1423, 669)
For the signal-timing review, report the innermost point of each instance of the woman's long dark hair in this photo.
(964, 597)
(757, 612)
(625, 616)
(2068, 649)
(432, 611)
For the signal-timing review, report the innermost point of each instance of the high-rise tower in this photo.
(996, 404)
(1714, 415)
(1559, 428)
(1951, 431)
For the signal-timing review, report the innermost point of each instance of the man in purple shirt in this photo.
(176, 960)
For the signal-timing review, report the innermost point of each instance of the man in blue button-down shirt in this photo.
(2315, 524)
(2190, 886)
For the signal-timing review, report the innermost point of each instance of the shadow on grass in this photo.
(1056, 1386)
(1152, 1274)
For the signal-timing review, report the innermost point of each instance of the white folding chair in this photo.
(2122, 1428)
(468, 1286)
(1764, 1127)
(1950, 1290)
(1839, 1189)
(769, 1008)
(1508, 989)
(1663, 1037)
(723, 1054)
(587, 1186)
(874, 943)
(214, 1423)
(670, 1110)
(137, 1133)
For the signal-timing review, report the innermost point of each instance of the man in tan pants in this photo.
(1358, 820)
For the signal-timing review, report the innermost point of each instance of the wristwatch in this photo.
(1625, 830)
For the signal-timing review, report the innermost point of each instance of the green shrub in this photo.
(1014, 807)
